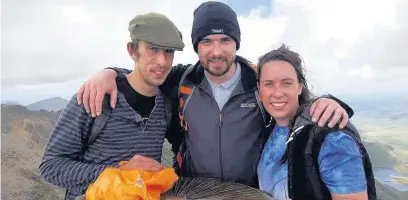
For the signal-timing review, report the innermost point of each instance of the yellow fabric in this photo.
(135, 184)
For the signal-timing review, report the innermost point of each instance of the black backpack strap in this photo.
(168, 109)
(100, 121)
(98, 125)
(352, 131)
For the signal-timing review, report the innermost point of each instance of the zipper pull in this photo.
(220, 120)
(292, 135)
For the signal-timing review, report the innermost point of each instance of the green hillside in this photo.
(379, 155)
(385, 192)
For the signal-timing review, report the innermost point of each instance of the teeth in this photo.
(159, 73)
(278, 104)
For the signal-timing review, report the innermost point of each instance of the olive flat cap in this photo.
(157, 30)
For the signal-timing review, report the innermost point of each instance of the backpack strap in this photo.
(352, 131)
(168, 109)
(254, 67)
(98, 125)
(184, 92)
(100, 121)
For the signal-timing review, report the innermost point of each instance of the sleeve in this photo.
(120, 71)
(346, 107)
(61, 163)
(172, 80)
(340, 164)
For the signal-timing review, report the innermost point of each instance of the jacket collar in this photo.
(302, 117)
(248, 74)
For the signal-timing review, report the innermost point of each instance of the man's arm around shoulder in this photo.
(175, 74)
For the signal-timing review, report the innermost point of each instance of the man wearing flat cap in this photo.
(134, 131)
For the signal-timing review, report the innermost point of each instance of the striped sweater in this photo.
(69, 164)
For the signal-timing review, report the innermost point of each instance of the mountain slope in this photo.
(380, 155)
(24, 137)
(51, 104)
(385, 192)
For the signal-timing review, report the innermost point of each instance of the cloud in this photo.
(349, 47)
(54, 42)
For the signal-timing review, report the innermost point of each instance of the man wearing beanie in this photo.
(216, 102)
(215, 18)
(81, 146)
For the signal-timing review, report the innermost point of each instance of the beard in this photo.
(219, 71)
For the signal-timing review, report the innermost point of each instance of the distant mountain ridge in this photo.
(10, 102)
(51, 104)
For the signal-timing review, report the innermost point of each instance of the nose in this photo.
(278, 92)
(161, 58)
(216, 49)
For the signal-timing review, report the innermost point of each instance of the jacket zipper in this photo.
(220, 124)
(293, 134)
(221, 174)
(220, 127)
(219, 145)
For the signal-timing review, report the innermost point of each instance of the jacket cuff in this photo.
(120, 71)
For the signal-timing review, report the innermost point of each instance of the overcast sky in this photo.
(351, 48)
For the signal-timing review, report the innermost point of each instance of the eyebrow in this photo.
(285, 79)
(222, 38)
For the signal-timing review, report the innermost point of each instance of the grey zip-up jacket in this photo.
(227, 143)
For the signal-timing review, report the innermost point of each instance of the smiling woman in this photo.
(296, 141)
(280, 90)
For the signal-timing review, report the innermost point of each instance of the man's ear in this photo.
(130, 49)
(300, 89)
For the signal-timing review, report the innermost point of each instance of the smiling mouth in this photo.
(159, 73)
(278, 104)
(217, 61)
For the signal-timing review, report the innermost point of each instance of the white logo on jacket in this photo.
(248, 105)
